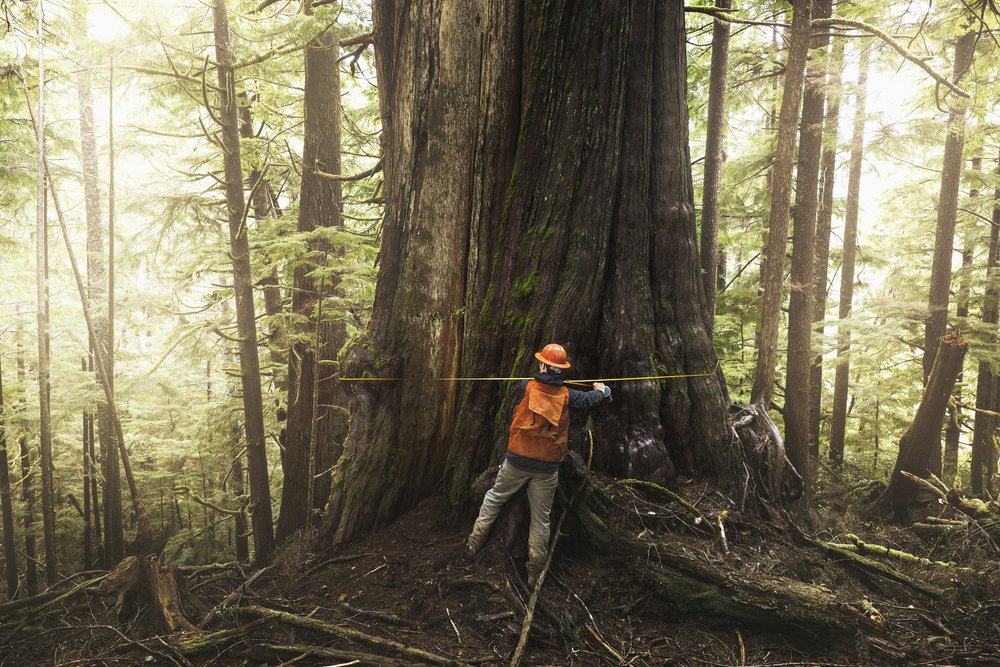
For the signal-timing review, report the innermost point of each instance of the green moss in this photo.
(526, 286)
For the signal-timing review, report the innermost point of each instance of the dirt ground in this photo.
(410, 583)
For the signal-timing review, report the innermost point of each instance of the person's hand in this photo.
(603, 388)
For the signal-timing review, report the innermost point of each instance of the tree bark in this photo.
(773, 264)
(801, 298)
(6, 506)
(824, 224)
(715, 136)
(922, 440)
(986, 379)
(838, 420)
(561, 197)
(947, 210)
(320, 203)
(27, 492)
(260, 494)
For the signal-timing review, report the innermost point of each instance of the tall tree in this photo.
(824, 225)
(97, 292)
(42, 299)
(6, 505)
(947, 211)
(838, 420)
(986, 379)
(716, 132)
(773, 263)
(801, 298)
(320, 199)
(562, 196)
(27, 491)
(253, 411)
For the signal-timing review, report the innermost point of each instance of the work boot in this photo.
(473, 545)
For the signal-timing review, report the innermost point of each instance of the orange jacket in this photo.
(540, 427)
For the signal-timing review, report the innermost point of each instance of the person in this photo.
(537, 444)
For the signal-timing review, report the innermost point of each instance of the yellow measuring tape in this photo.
(492, 379)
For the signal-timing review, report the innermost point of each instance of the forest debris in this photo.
(378, 615)
(663, 491)
(350, 634)
(879, 550)
(231, 598)
(335, 654)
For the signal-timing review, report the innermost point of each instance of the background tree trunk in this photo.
(6, 505)
(562, 196)
(319, 207)
(923, 436)
(715, 135)
(953, 430)
(27, 492)
(260, 494)
(838, 419)
(947, 210)
(986, 379)
(773, 263)
(824, 224)
(801, 298)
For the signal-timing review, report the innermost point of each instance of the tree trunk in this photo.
(97, 293)
(27, 492)
(713, 161)
(265, 205)
(824, 224)
(986, 380)
(260, 494)
(42, 294)
(6, 505)
(838, 420)
(801, 299)
(88, 546)
(319, 206)
(923, 437)
(947, 210)
(240, 518)
(561, 198)
(953, 430)
(773, 263)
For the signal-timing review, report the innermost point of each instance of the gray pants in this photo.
(541, 490)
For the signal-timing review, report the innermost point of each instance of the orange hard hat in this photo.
(553, 354)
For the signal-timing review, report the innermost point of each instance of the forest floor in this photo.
(409, 583)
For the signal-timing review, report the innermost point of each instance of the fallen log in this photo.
(903, 556)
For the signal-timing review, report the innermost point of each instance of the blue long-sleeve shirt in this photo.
(579, 401)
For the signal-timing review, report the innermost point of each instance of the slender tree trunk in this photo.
(6, 505)
(260, 494)
(923, 437)
(27, 492)
(242, 535)
(561, 199)
(42, 293)
(88, 547)
(801, 298)
(986, 380)
(953, 430)
(319, 206)
(773, 264)
(824, 224)
(265, 205)
(947, 210)
(838, 420)
(713, 161)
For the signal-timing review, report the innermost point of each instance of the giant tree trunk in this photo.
(838, 420)
(253, 412)
(801, 297)
(713, 161)
(923, 437)
(314, 437)
(773, 264)
(6, 506)
(534, 193)
(947, 210)
(986, 380)
(97, 292)
(824, 224)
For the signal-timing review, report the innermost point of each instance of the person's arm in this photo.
(519, 393)
(580, 401)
